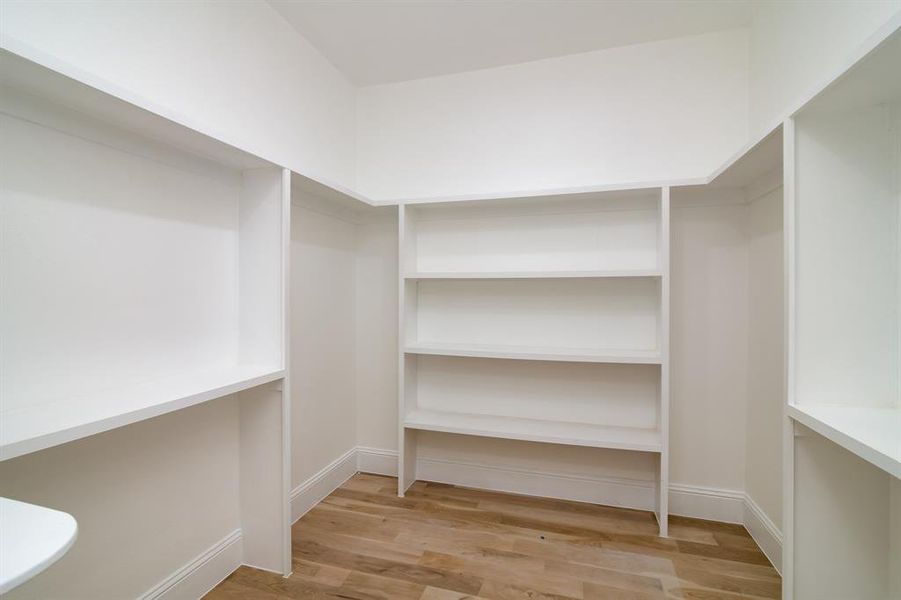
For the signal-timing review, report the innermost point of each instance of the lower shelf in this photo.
(533, 430)
(638, 357)
(34, 428)
(873, 434)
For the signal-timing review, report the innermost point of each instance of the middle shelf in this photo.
(592, 320)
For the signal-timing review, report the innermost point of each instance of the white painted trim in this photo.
(711, 504)
(216, 563)
(309, 493)
(377, 461)
(764, 532)
(201, 574)
(611, 491)
(691, 501)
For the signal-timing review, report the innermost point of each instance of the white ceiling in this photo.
(379, 41)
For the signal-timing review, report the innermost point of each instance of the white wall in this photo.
(148, 499)
(237, 70)
(708, 345)
(376, 330)
(660, 110)
(796, 46)
(323, 335)
(763, 472)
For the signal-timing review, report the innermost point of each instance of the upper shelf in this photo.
(40, 426)
(873, 434)
(533, 274)
(871, 81)
(38, 84)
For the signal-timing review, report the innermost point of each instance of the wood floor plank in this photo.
(421, 574)
(496, 590)
(607, 577)
(627, 562)
(443, 542)
(365, 586)
(432, 593)
(502, 575)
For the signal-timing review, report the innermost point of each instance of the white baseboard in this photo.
(377, 461)
(627, 493)
(764, 532)
(712, 504)
(203, 573)
(220, 560)
(309, 493)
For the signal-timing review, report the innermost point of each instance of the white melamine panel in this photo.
(873, 434)
(841, 523)
(618, 395)
(92, 300)
(847, 311)
(605, 232)
(600, 314)
(77, 415)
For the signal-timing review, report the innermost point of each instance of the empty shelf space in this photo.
(532, 274)
(590, 355)
(534, 430)
(39, 426)
(873, 434)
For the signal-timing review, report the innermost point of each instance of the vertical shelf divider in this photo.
(406, 384)
(663, 253)
(265, 411)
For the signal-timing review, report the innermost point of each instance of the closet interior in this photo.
(589, 344)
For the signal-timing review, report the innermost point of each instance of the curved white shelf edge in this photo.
(44, 425)
(31, 539)
(536, 430)
(873, 434)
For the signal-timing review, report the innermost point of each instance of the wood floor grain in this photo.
(444, 542)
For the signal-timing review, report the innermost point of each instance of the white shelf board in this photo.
(533, 430)
(48, 424)
(532, 274)
(590, 355)
(873, 434)
(31, 539)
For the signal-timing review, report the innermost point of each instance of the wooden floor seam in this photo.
(445, 542)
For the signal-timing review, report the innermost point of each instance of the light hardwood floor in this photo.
(444, 542)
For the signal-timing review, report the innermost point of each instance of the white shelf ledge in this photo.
(873, 434)
(532, 274)
(589, 355)
(48, 424)
(534, 430)
(31, 539)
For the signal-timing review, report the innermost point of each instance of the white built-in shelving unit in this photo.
(843, 277)
(543, 319)
(143, 272)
